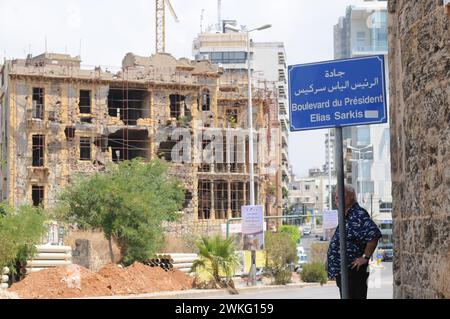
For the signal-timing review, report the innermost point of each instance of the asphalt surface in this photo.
(380, 287)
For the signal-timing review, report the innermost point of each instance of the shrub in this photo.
(314, 272)
(20, 229)
(280, 253)
(292, 231)
(319, 253)
(217, 257)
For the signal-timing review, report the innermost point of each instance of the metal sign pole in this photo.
(341, 207)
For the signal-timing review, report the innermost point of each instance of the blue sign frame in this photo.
(338, 93)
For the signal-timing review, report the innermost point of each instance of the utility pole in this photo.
(330, 200)
(341, 206)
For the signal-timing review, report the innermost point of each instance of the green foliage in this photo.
(285, 193)
(319, 252)
(314, 272)
(129, 202)
(280, 253)
(319, 220)
(292, 231)
(217, 257)
(184, 121)
(271, 189)
(20, 230)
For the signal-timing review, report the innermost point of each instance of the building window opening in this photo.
(85, 102)
(37, 195)
(38, 103)
(129, 105)
(127, 145)
(221, 162)
(187, 199)
(237, 198)
(237, 154)
(165, 150)
(221, 199)
(206, 100)
(238, 57)
(177, 103)
(206, 158)
(69, 131)
(85, 148)
(38, 150)
(232, 117)
(204, 200)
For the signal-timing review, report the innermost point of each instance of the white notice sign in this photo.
(236, 228)
(330, 219)
(253, 227)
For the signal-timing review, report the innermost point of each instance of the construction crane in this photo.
(160, 13)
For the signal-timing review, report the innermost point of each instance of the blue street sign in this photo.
(338, 93)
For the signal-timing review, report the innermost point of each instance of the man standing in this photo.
(362, 239)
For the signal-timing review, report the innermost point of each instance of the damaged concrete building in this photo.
(59, 119)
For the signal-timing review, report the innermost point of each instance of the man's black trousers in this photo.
(357, 283)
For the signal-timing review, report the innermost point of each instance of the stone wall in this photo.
(419, 57)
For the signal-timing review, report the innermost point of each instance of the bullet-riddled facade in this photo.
(59, 120)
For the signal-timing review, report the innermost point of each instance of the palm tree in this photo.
(217, 256)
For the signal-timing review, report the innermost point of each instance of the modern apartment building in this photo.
(362, 32)
(229, 49)
(312, 193)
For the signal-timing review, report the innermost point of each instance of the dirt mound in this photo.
(78, 282)
(120, 279)
(183, 279)
(62, 282)
(139, 279)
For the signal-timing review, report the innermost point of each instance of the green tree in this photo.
(20, 229)
(292, 231)
(217, 256)
(280, 253)
(129, 202)
(285, 193)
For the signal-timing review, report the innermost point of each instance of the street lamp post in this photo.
(250, 131)
(360, 160)
(250, 144)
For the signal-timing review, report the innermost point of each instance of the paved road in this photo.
(380, 287)
(308, 240)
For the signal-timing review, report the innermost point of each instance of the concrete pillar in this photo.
(244, 150)
(213, 210)
(229, 211)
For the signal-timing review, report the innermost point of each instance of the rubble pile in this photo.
(62, 282)
(78, 282)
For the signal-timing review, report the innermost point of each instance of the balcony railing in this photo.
(37, 111)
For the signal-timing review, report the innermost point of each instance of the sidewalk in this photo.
(198, 293)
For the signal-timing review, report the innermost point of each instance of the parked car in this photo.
(302, 258)
(306, 231)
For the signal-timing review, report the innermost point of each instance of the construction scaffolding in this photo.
(78, 120)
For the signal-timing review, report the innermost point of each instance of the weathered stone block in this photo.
(419, 41)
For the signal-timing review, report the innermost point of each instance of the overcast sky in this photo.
(108, 29)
